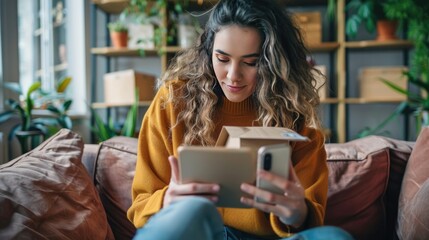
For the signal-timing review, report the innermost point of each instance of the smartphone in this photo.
(275, 159)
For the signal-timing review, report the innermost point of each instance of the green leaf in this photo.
(352, 25)
(45, 121)
(331, 10)
(365, 11)
(63, 84)
(13, 86)
(410, 95)
(131, 119)
(376, 130)
(101, 129)
(67, 104)
(418, 82)
(67, 122)
(4, 116)
(14, 105)
(178, 8)
(33, 87)
(54, 109)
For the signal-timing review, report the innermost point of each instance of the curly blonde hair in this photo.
(286, 94)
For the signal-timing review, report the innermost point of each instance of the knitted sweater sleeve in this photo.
(309, 161)
(153, 171)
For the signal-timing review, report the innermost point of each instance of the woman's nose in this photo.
(234, 72)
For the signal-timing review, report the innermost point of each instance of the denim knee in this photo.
(198, 204)
(322, 233)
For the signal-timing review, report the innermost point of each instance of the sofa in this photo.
(65, 189)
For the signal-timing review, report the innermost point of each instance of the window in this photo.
(51, 42)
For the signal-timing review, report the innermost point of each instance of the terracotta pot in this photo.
(119, 39)
(386, 30)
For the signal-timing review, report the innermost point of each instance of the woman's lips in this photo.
(235, 89)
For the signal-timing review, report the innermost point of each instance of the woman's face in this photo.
(235, 55)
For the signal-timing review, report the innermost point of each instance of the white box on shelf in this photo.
(141, 36)
(372, 87)
(120, 86)
(322, 81)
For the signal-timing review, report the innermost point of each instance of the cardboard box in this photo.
(119, 87)
(255, 137)
(310, 25)
(371, 86)
(322, 81)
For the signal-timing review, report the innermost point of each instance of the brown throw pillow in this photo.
(413, 215)
(115, 168)
(47, 194)
(359, 179)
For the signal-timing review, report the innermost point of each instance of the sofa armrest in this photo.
(89, 158)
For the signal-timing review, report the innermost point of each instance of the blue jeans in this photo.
(198, 218)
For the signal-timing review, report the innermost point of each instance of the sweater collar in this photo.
(237, 108)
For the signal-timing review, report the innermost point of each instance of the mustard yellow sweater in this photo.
(158, 140)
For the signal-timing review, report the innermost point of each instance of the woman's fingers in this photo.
(195, 189)
(290, 188)
(174, 168)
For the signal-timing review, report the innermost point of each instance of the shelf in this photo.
(205, 4)
(374, 100)
(330, 100)
(118, 52)
(43, 113)
(379, 44)
(100, 105)
(111, 6)
(172, 49)
(323, 47)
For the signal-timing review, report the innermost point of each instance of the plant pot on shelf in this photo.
(386, 30)
(119, 39)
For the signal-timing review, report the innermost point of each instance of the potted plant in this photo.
(118, 33)
(147, 11)
(414, 12)
(31, 130)
(370, 13)
(104, 131)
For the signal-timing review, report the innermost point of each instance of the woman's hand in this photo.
(176, 191)
(290, 206)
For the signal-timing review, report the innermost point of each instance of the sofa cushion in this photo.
(358, 182)
(47, 194)
(413, 217)
(114, 173)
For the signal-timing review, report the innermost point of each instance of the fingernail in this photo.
(216, 188)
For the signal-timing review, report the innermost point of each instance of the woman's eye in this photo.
(224, 60)
(251, 64)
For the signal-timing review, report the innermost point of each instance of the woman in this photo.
(249, 69)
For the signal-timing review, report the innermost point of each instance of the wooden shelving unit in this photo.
(336, 49)
(111, 6)
(122, 52)
(377, 44)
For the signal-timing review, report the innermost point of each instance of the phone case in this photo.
(273, 158)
